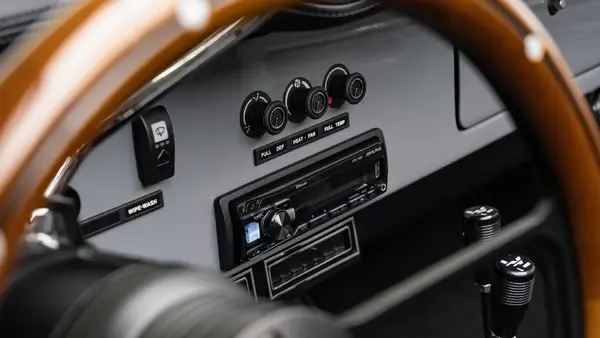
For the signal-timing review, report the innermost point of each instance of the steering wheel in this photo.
(59, 90)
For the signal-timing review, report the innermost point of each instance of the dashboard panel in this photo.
(9, 8)
(410, 97)
(279, 201)
(575, 31)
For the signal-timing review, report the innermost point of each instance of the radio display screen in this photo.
(328, 189)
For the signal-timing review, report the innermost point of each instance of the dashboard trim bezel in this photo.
(121, 213)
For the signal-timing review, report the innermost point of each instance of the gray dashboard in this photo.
(17, 7)
(411, 97)
(574, 29)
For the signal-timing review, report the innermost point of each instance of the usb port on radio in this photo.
(377, 169)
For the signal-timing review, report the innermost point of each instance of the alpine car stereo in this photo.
(259, 216)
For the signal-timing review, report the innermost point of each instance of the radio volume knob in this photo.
(277, 223)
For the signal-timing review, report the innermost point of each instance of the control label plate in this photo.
(335, 126)
(304, 137)
(307, 136)
(122, 214)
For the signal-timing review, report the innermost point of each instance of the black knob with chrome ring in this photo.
(259, 114)
(343, 86)
(276, 223)
(302, 99)
(275, 117)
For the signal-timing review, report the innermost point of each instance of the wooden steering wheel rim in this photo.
(61, 87)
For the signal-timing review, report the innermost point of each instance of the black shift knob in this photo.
(481, 223)
(511, 293)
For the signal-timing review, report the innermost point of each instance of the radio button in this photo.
(281, 203)
(358, 201)
(339, 210)
(373, 193)
(301, 228)
(252, 205)
(318, 220)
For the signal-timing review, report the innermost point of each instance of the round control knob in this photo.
(259, 114)
(343, 86)
(277, 223)
(302, 99)
(511, 294)
(275, 117)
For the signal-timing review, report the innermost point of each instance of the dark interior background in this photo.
(451, 309)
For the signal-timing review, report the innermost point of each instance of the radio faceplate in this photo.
(259, 216)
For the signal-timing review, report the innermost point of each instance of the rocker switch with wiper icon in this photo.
(154, 146)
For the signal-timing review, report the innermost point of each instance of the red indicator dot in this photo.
(329, 100)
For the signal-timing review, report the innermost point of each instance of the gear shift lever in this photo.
(511, 294)
(482, 223)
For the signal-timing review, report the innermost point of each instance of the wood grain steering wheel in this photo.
(61, 87)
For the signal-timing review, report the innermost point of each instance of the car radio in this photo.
(257, 217)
